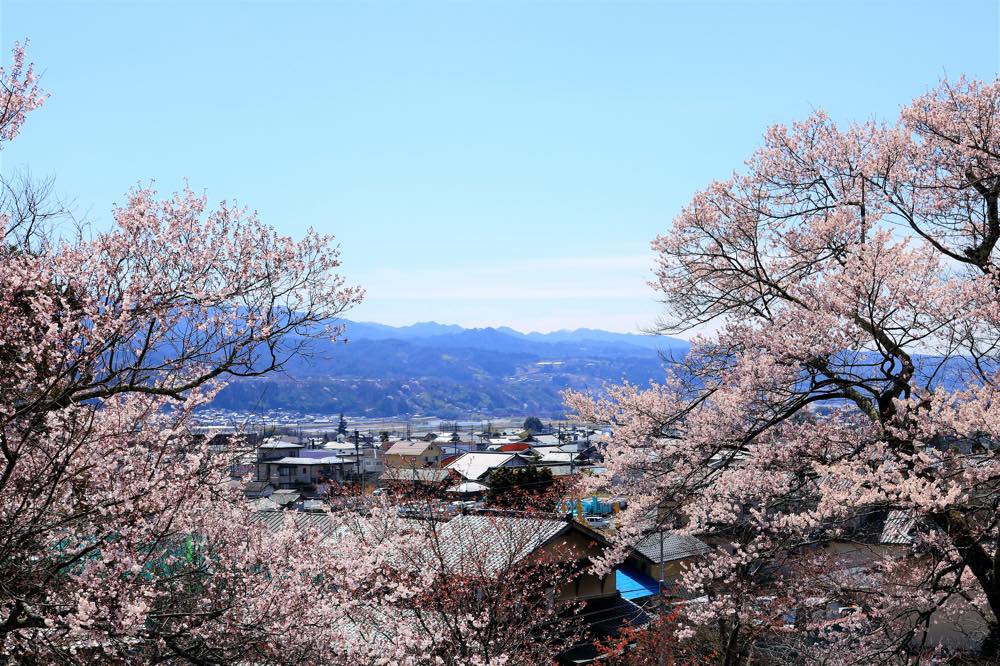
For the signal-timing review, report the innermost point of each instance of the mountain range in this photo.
(448, 371)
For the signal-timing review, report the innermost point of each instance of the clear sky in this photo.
(482, 163)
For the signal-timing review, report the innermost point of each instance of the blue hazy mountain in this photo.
(449, 371)
(363, 330)
(450, 335)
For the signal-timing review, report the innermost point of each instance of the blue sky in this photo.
(482, 163)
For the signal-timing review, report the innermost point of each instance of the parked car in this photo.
(597, 522)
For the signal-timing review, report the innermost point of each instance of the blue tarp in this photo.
(633, 584)
(591, 507)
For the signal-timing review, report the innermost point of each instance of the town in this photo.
(519, 485)
(505, 333)
(523, 475)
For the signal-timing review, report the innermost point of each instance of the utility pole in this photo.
(357, 457)
(663, 647)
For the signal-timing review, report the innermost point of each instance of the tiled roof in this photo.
(898, 528)
(322, 522)
(675, 546)
(422, 475)
(488, 544)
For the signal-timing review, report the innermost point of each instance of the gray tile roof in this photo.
(675, 547)
(281, 497)
(321, 522)
(421, 475)
(898, 528)
(483, 544)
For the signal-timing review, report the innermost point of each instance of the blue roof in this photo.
(633, 584)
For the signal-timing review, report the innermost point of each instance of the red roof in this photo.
(514, 448)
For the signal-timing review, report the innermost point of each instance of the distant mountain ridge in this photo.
(449, 371)
(431, 329)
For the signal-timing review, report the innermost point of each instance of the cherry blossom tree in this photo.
(120, 537)
(845, 284)
(472, 589)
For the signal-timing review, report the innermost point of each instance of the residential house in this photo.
(478, 465)
(889, 536)
(308, 469)
(416, 479)
(255, 489)
(489, 544)
(660, 554)
(410, 453)
(239, 447)
(369, 455)
(492, 542)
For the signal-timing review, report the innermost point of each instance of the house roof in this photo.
(221, 441)
(633, 584)
(420, 475)
(275, 520)
(283, 498)
(406, 447)
(557, 457)
(346, 446)
(514, 448)
(273, 443)
(489, 543)
(675, 547)
(468, 487)
(898, 528)
(474, 466)
(293, 460)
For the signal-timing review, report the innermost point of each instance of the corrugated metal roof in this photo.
(514, 448)
(406, 447)
(468, 487)
(278, 444)
(289, 460)
(632, 584)
(474, 466)
(557, 457)
(675, 546)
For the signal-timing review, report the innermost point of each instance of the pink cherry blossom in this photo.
(848, 393)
